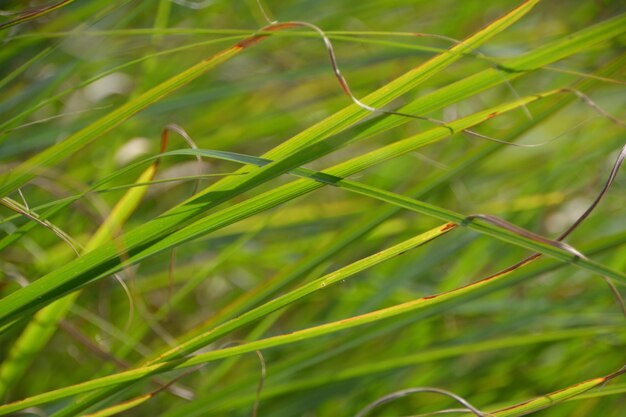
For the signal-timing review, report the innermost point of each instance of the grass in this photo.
(339, 265)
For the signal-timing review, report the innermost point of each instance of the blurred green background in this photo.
(268, 94)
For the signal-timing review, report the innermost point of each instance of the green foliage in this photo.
(138, 280)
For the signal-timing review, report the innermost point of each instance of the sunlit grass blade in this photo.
(119, 408)
(554, 398)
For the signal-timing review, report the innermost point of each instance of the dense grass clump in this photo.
(203, 215)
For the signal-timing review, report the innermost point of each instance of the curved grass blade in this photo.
(402, 393)
(23, 210)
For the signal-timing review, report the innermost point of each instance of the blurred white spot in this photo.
(567, 215)
(450, 113)
(195, 5)
(131, 150)
(116, 83)
(46, 71)
(75, 102)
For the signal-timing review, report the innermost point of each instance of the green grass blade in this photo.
(554, 398)
(119, 408)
